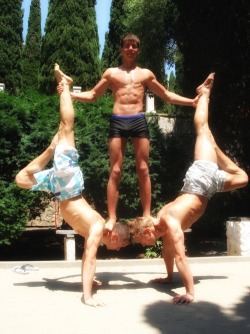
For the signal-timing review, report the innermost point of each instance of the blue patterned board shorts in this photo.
(204, 178)
(64, 179)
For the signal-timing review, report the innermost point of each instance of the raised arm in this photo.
(165, 94)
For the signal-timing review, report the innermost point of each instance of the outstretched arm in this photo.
(95, 93)
(166, 95)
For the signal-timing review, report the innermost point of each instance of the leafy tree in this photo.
(32, 47)
(71, 40)
(11, 44)
(153, 21)
(111, 53)
(214, 36)
(26, 131)
(15, 210)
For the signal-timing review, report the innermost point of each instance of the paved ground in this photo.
(49, 300)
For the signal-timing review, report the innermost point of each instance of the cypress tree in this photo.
(71, 39)
(11, 20)
(111, 53)
(32, 48)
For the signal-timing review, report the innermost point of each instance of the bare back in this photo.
(185, 210)
(80, 216)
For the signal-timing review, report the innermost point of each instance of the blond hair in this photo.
(138, 225)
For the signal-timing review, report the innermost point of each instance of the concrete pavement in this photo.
(49, 300)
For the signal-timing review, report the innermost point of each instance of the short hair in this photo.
(122, 230)
(138, 225)
(130, 37)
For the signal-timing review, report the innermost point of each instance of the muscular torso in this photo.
(185, 210)
(80, 216)
(128, 87)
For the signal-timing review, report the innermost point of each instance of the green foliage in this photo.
(32, 48)
(15, 209)
(111, 56)
(91, 133)
(152, 21)
(11, 44)
(70, 40)
(154, 251)
(28, 123)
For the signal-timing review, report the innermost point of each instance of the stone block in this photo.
(238, 236)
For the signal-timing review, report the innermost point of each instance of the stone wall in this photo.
(178, 125)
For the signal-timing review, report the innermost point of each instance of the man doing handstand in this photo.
(211, 172)
(65, 181)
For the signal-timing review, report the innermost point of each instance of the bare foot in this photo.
(61, 77)
(110, 224)
(96, 282)
(207, 85)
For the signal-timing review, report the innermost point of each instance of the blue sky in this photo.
(102, 16)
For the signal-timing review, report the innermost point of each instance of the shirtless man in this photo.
(65, 181)
(211, 172)
(128, 83)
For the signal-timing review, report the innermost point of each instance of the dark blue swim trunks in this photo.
(128, 126)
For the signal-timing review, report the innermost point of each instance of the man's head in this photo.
(130, 40)
(119, 237)
(142, 231)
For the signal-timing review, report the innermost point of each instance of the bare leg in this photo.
(141, 148)
(204, 146)
(116, 151)
(235, 176)
(25, 178)
(67, 115)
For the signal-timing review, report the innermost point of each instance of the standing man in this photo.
(211, 172)
(128, 83)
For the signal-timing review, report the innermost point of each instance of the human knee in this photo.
(243, 179)
(67, 125)
(142, 170)
(115, 173)
(20, 180)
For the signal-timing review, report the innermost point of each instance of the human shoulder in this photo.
(111, 70)
(148, 75)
